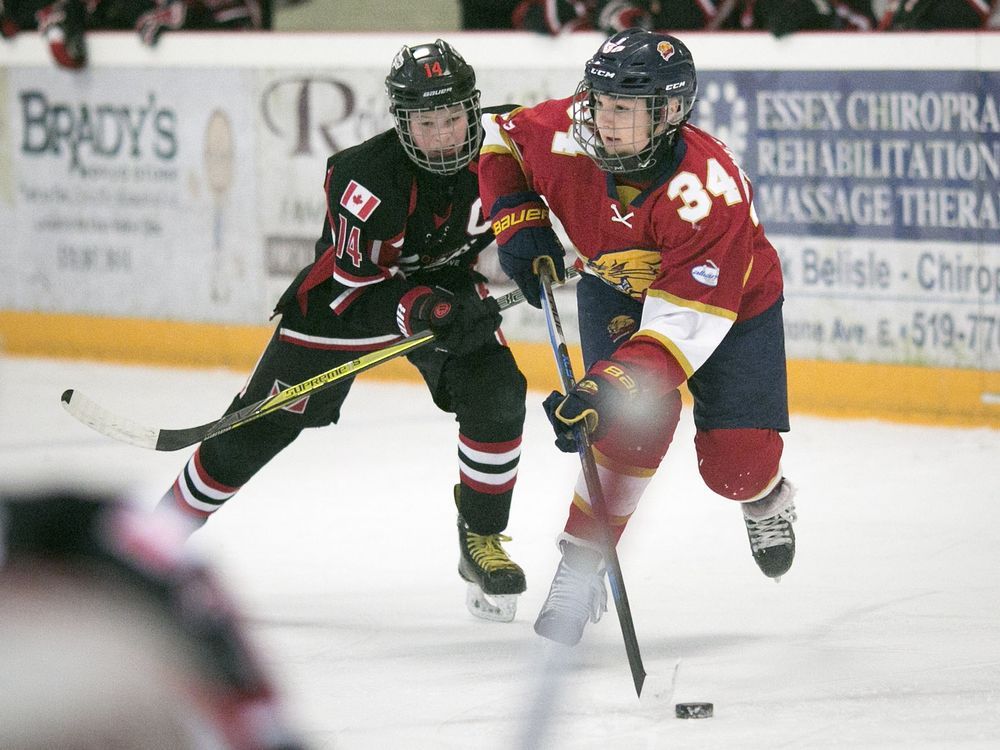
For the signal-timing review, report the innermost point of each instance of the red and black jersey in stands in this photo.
(688, 245)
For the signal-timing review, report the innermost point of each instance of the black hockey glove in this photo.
(606, 389)
(459, 325)
(523, 231)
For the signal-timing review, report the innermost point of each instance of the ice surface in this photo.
(885, 634)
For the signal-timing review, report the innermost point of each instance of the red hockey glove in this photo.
(523, 231)
(606, 390)
(168, 14)
(459, 325)
(63, 24)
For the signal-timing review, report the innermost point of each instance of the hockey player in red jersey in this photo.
(403, 231)
(680, 285)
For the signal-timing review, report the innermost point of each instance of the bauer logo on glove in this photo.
(524, 234)
(609, 388)
(525, 216)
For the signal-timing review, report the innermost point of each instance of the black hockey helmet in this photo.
(428, 77)
(657, 69)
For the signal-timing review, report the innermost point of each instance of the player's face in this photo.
(439, 132)
(624, 122)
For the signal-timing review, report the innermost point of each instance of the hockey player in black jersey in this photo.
(403, 231)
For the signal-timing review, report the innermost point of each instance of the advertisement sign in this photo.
(188, 191)
(881, 190)
(303, 117)
(132, 193)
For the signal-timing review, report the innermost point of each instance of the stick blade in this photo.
(174, 440)
(658, 691)
(107, 423)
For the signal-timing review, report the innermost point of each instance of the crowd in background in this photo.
(779, 17)
(64, 23)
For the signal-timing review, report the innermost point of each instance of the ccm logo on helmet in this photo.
(602, 73)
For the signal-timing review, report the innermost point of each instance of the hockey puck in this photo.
(694, 710)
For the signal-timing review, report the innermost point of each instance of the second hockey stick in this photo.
(593, 481)
(121, 428)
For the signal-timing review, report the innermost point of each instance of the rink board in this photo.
(154, 205)
(931, 395)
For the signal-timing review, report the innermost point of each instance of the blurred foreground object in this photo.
(117, 637)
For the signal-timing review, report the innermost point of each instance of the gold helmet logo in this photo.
(666, 50)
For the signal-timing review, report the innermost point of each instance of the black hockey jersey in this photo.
(390, 226)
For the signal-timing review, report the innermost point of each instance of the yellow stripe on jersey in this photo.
(690, 331)
(692, 305)
(670, 346)
(619, 468)
(746, 276)
(583, 504)
(496, 141)
(629, 271)
(492, 136)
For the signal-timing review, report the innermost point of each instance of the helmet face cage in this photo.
(451, 160)
(641, 123)
(428, 85)
(637, 91)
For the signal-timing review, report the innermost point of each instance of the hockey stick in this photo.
(565, 366)
(120, 428)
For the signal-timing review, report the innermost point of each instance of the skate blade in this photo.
(493, 607)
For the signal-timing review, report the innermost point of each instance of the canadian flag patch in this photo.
(359, 200)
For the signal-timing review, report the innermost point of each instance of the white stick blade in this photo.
(658, 691)
(103, 421)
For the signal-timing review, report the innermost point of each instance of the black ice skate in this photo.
(577, 593)
(494, 579)
(769, 527)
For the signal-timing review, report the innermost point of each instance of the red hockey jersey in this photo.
(689, 247)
